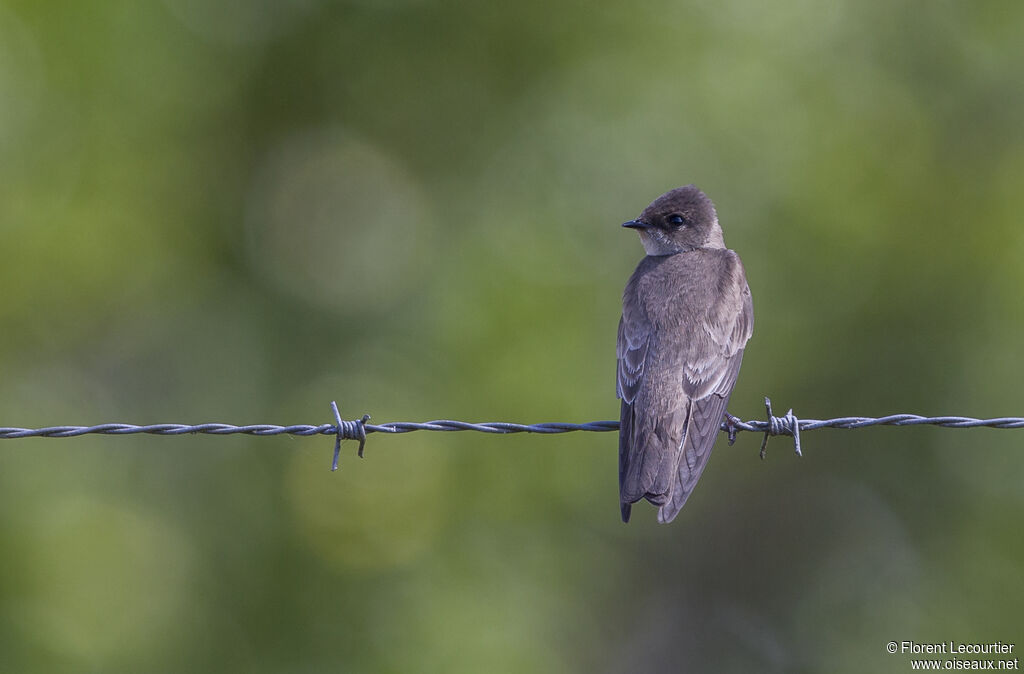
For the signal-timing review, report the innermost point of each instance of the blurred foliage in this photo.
(240, 211)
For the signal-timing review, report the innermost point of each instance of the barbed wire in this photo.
(358, 429)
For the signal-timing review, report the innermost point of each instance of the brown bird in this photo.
(686, 317)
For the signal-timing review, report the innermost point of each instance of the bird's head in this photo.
(679, 220)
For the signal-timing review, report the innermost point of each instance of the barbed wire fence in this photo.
(358, 429)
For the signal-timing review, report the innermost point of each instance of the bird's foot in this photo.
(731, 427)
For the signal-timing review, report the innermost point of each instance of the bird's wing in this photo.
(634, 338)
(634, 341)
(712, 366)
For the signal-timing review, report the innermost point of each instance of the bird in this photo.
(687, 315)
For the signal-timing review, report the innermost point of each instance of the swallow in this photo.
(686, 317)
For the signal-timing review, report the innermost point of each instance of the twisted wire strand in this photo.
(348, 429)
(772, 426)
(358, 429)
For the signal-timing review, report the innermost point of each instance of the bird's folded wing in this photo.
(634, 338)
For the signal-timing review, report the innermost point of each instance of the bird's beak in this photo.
(636, 224)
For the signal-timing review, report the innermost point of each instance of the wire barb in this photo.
(786, 425)
(347, 430)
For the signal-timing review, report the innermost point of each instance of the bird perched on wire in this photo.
(686, 318)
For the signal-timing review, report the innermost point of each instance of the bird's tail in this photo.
(648, 455)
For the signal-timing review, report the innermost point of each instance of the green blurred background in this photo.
(238, 212)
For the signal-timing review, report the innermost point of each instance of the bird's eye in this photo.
(675, 219)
